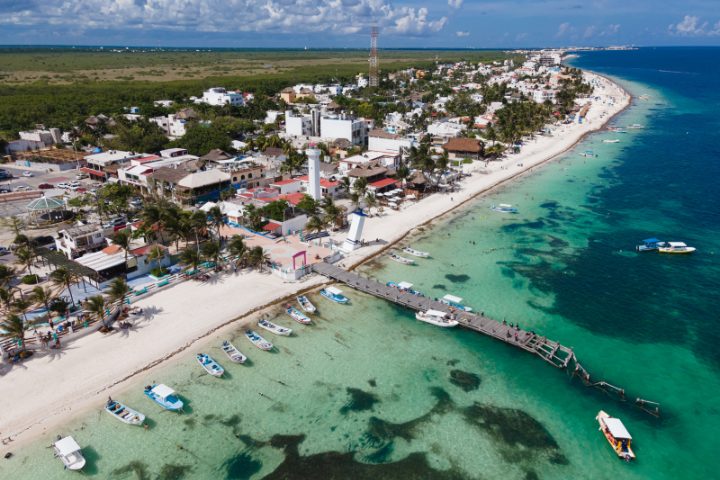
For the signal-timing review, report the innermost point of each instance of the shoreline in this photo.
(183, 305)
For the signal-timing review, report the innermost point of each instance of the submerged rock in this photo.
(466, 380)
(360, 400)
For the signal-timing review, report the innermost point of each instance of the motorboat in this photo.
(258, 341)
(616, 434)
(437, 318)
(68, 450)
(124, 413)
(587, 154)
(614, 140)
(400, 259)
(675, 247)
(504, 208)
(210, 365)
(455, 302)
(297, 315)
(276, 329)
(416, 253)
(648, 245)
(306, 304)
(164, 396)
(233, 353)
(617, 130)
(405, 287)
(635, 126)
(334, 294)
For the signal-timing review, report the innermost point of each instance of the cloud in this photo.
(267, 16)
(590, 31)
(462, 34)
(692, 26)
(563, 29)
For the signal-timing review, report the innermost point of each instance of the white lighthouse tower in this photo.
(314, 173)
(354, 238)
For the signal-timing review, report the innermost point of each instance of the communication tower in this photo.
(374, 72)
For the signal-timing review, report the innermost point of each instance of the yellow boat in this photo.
(616, 434)
(675, 247)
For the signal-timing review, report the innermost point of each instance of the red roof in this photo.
(148, 158)
(286, 182)
(145, 249)
(324, 182)
(271, 225)
(383, 183)
(293, 198)
(91, 171)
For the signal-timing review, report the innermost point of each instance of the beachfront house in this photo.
(462, 148)
(180, 186)
(80, 239)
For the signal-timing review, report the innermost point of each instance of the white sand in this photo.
(42, 392)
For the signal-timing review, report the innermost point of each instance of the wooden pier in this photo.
(552, 352)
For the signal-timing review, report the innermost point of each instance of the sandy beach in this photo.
(46, 390)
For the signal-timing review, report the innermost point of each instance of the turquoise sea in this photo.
(369, 392)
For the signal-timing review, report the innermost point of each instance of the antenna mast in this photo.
(374, 80)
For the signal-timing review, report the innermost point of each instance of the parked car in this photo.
(74, 184)
(46, 186)
(81, 176)
(22, 188)
(62, 185)
(5, 190)
(27, 173)
(4, 251)
(73, 188)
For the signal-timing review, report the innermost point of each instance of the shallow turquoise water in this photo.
(368, 392)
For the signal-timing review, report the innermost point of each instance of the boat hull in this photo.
(671, 251)
(434, 321)
(306, 304)
(276, 329)
(124, 413)
(233, 353)
(335, 298)
(258, 341)
(626, 454)
(210, 365)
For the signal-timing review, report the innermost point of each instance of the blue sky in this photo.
(346, 23)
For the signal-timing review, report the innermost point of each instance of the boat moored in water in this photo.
(614, 140)
(334, 294)
(416, 253)
(504, 208)
(273, 328)
(70, 453)
(306, 304)
(405, 287)
(258, 341)
(164, 396)
(455, 302)
(649, 245)
(437, 318)
(210, 365)
(675, 247)
(400, 259)
(616, 434)
(588, 154)
(635, 126)
(233, 353)
(297, 315)
(124, 413)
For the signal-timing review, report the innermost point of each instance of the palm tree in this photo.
(13, 328)
(95, 306)
(237, 248)
(43, 296)
(26, 257)
(360, 186)
(211, 252)
(315, 224)
(257, 257)
(63, 277)
(20, 306)
(118, 290)
(156, 254)
(198, 224)
(215, 219)
(123, 239)
(403, 174)
(6, 274)
(190, 257)
(7, 297)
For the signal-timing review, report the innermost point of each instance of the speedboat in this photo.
(400, 259)
(635, 126)
(504, 208)
(70, 453)
(124, 413)
(616, 434)
(297, 315)
(437, 318)
(675, 247)
(258, 341)
(405, 287)
(306, 304)
(210, 365)
(276, 329)
(233, 353)
(416, 253)
(164, 396)
(334, 294)
(614, 140)
(649, 245)
(455, 302)
(587, 154)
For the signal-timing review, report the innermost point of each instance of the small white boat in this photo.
(405, 287)
(164, 396)
(416, 253)
(675, 247)
(614, 140)
(635, 126)
(399, 259)
(276, 329)
(334, 294)
(306, 304)
(210, 365)
(616, 434)
(455, 302)
(124, 413)
(437, 318)
(504, 208)
(258, 341)
(70, 453)
(233, 353)
(297, 315)
(587, 154)
(649, 245)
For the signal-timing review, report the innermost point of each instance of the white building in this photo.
(46, 137)
(298, 125)
(313, 187)
(362, 82)
(76, 241)
(173, 126)
(354, 130)
(218, 96)
(382, 141)
(385, 159)
(445, 129)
